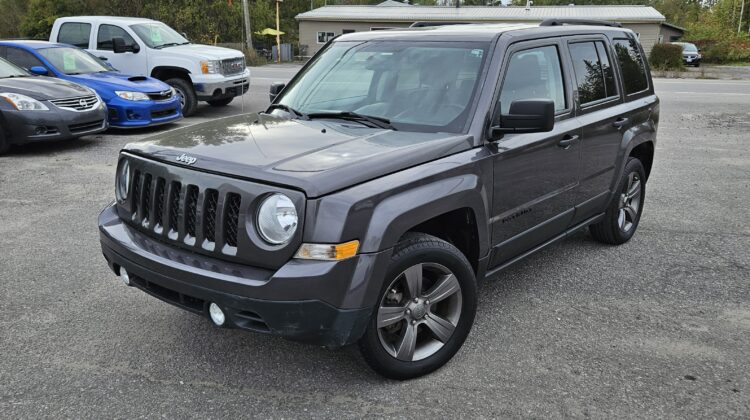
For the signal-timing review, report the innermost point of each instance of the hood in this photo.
(209, 52)
(318, 157)
(111, 81)
(43, 88)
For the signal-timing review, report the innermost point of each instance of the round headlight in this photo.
(277, 219)
(123, 180)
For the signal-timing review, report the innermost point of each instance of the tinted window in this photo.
(609, 73)
(107, 32)
(533, 73)
(22, 58)
(75, 34)
(631, 63)
(593, 72)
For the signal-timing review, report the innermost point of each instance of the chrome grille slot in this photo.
(191, 210)
(81, 103)
(174, 208)
(231, 218)
(146, 200)
(159, 212)
(209, 214)
(233, 66)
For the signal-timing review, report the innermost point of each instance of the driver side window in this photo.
(107, 32)
(534, 73)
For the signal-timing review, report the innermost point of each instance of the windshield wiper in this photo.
(378, 122)
(168, 44)
(294, 112)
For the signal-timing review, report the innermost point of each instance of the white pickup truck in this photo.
(145, 47)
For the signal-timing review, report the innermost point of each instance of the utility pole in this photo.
(278, 32)
(248, 31)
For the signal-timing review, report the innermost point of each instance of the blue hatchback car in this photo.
(132, 101)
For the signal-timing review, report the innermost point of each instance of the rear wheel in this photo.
(624, 213)
(221, 102)
(425, 311)
(188, 99)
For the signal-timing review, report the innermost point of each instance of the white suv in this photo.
(146, 47)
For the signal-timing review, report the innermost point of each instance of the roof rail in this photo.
(591, 22)
(430, 24)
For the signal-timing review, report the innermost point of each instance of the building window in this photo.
(324, 37)
(348, 31)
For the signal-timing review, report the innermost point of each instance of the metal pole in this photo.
(248, 32)
(278, 36)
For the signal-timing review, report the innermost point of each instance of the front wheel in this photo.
(624, 213)
(188, 99)
(424, 312)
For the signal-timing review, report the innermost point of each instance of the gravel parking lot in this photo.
(659, 327)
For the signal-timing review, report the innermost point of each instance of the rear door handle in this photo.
(567, 141)
(620, 122)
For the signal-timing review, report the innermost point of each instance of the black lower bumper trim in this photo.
(311, 321)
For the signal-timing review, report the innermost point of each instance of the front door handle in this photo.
(620, 122)
(567, 141)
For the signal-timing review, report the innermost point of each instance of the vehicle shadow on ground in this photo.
(52, 147)
(230, 349)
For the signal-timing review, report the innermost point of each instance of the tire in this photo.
(624, 213)
(221, 102)
(451, 313)
(185, 90)
(4, 143)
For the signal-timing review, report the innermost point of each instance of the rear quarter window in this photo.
(633, 68)
(74, 33)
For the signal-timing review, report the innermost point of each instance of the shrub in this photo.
(666, 57)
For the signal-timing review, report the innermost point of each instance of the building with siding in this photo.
(317, 26)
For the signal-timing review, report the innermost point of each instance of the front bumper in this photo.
(294, 302)
(216, 86)
(691, 60)
(133, 114)
(23, 127)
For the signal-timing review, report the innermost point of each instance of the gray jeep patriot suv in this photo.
(396, 170)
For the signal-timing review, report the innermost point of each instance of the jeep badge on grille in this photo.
(189, 160)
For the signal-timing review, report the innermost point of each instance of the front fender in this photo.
(379, 212)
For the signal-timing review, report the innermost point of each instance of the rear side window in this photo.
(107, 32)
(593, 72)
(22, 58)
(631, 63)
(533, 74)
(75, 34)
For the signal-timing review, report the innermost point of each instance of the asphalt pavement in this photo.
(658, 327)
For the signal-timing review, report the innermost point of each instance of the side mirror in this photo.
(118, 45)
(276, 88)
(525, 116)
(39, 71)
(184, 35)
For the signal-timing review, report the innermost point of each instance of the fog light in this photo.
(40, 130)
(125, 277)
(217, 315)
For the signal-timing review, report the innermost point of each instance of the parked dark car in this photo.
(691, 55)
(132, 101)
(394, 172)
(36, 109)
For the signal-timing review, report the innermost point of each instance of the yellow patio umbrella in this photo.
(269, 31)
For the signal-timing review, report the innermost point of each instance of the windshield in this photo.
(158, 35)
(8, 69)
(689, 48)
(417, 86)
(73, 60)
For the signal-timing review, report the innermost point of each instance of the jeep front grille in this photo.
(187, 209)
